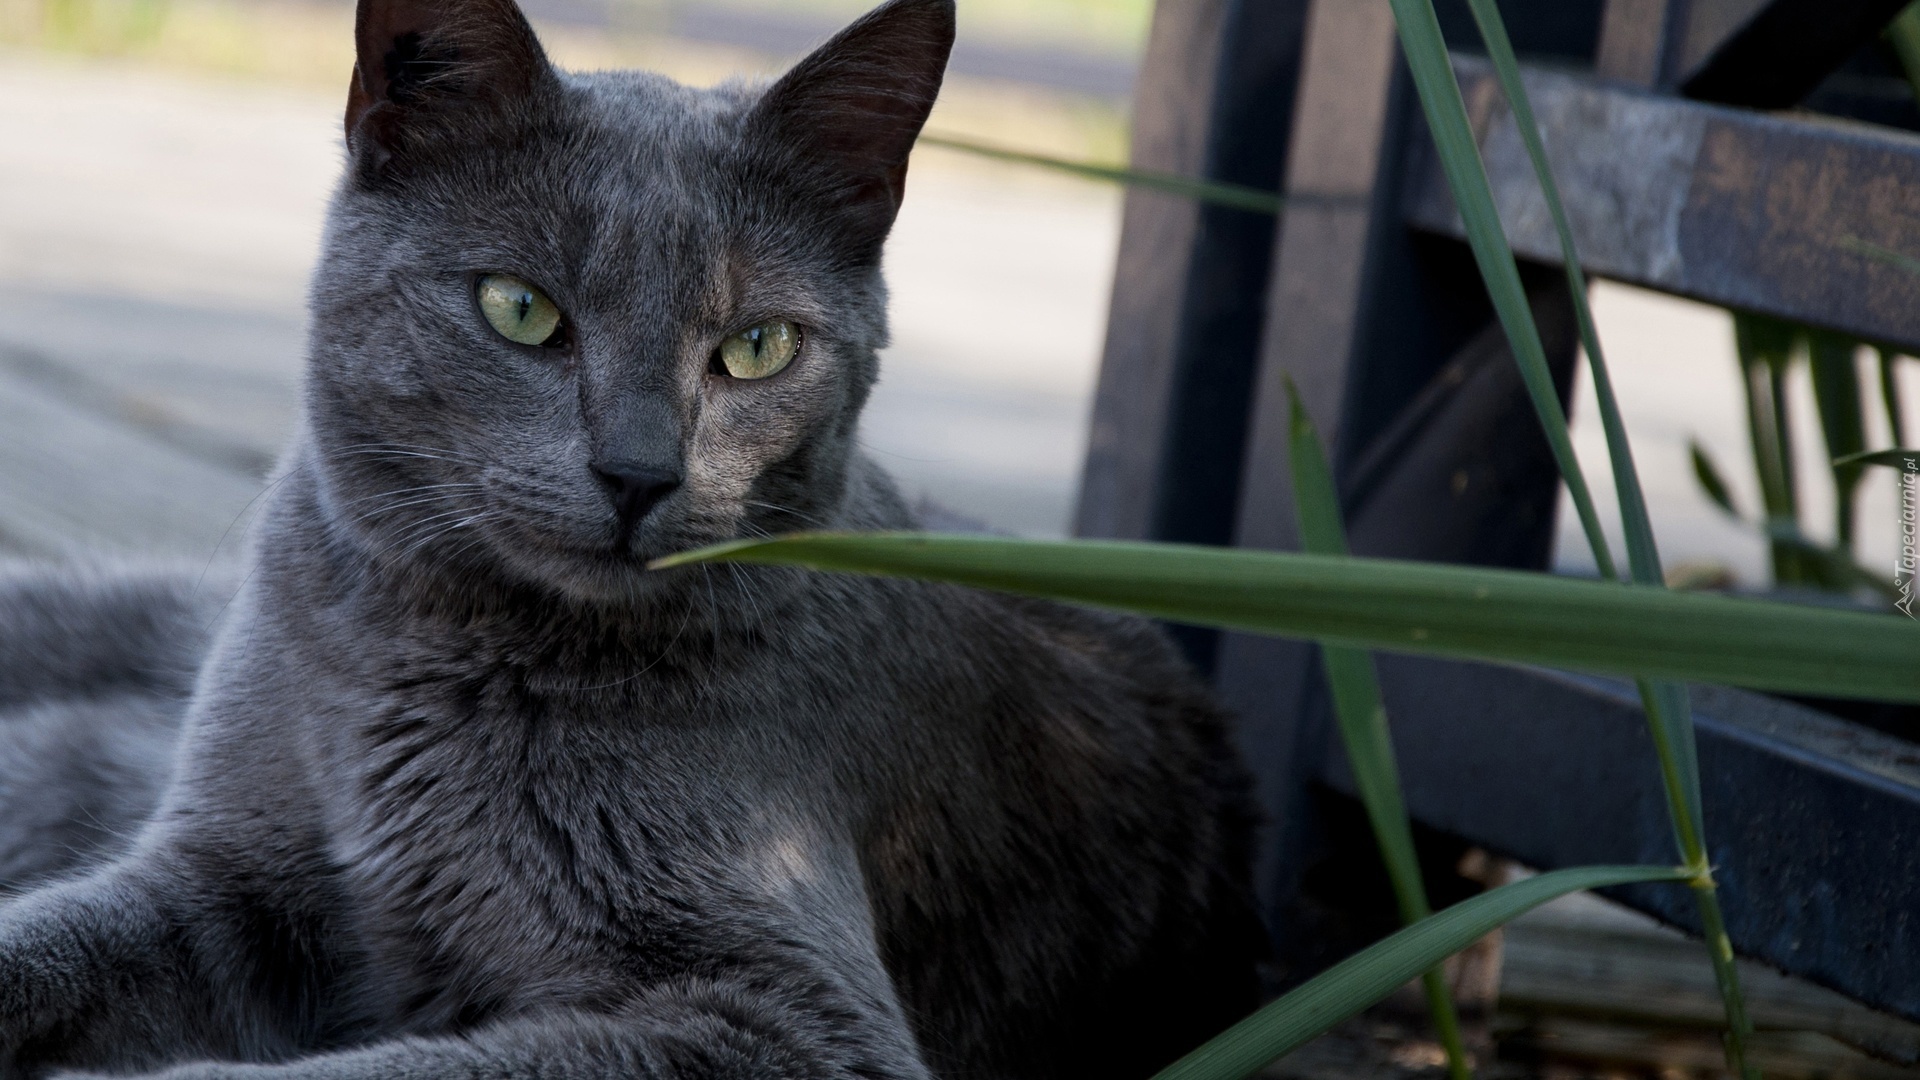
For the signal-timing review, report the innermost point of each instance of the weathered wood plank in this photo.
(1756, 53)
(1464, 473)
(1808, 221)
(1815, 822)
(1568, 1046)
(1589, 959)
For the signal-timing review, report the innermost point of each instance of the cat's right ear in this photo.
(420, 62)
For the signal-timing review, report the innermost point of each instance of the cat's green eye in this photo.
(519, 312)
(759, 351)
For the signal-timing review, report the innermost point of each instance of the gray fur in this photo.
(464, 791)
(96, 665)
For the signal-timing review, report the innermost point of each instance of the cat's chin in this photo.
(591, 575)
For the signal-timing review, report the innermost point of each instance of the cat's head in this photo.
(564, 323)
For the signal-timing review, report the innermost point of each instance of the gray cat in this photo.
(463, 790)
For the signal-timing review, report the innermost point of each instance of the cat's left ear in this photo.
(849, 113)
(419, 62)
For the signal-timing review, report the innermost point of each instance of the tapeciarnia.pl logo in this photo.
(1903, 564)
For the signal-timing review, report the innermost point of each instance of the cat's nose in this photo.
(636, 489)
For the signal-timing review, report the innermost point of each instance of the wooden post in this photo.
(1350, 91)
(1633, 40)
(1214, 99)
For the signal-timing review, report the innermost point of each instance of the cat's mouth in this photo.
(610, 565)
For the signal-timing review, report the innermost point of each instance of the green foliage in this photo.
(1362, 718)
(1669, 714)
(1889, 365)
(1708, 476)
(99, 26)
(1903, 33)
(1458, 611)
(1439, 92)
(1768, 350)
(1837, 395)
(1097, 26)
(1896, 459)
(1369, 975)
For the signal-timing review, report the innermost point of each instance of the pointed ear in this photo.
(849, 113)
(418, 59)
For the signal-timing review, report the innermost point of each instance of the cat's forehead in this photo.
(652, 124)
(653, 176)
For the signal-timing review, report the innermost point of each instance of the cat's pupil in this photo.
(524, 305)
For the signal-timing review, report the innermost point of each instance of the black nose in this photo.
(636, 489)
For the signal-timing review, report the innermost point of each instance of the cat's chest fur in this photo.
(517, 828)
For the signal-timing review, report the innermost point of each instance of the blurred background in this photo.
(164, 166)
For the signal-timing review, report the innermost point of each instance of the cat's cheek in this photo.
(721, 470)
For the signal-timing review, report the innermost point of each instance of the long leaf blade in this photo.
(1668, 712)
(1893, 459)
(1766, 349)
(1890, 395)
(1466, 612)
(1433, 80)
(1707, 474)
(1369, 975)
(1362, 718)
(1839, 400)
(1236, 196)
(1642, 554)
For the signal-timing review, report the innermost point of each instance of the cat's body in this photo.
(464, 791)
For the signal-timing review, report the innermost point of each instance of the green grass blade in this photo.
(1426, 53)
(1667, 708)
(1903, 33)
(1837, 395)
(1837, 566)
(1890, 395)
(1707, 474)
(1642, 554)
(1362, 718)
(1369, 975)
(1458, 611)
(1766, 349)
(1893, 459)
(1668, 712)
(1237, 196)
